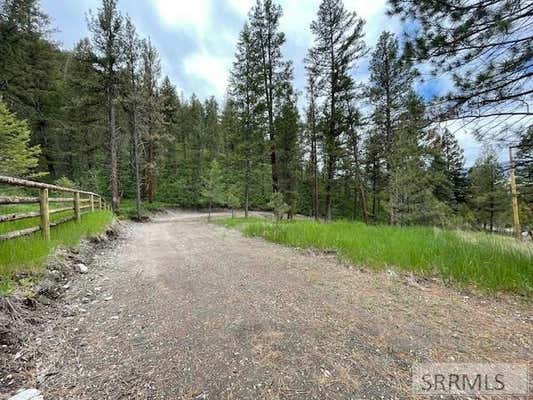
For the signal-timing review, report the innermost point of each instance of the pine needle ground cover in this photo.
(29, 253)
(489, 262)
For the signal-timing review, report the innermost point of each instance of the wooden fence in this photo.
(78, 205)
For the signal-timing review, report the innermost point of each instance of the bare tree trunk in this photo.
(113, 143)
(363, 201)
(151, 177)
(314, 162)
(247, 190)
(135, 144)
(329, 184)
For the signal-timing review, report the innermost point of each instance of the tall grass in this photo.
(488, 262)
(29, 253)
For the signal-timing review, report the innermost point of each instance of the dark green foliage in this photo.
(105, 120)
(337, 45)
(524, 173)
(489, 193)
(17, 158)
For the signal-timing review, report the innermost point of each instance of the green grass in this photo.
(489, 262)
(29, 222)
(28, 254)
(127, 208)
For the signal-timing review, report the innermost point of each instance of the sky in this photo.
(196, 39)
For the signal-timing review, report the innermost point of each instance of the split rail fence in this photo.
(78, 206)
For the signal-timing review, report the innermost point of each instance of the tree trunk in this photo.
(329, 187)
(315, 175)
(135, 151)
(151, 177)
(247, 190)
(113, 144)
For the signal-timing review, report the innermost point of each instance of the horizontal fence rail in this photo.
(79, 204)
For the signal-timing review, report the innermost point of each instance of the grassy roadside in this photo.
(489, 262)
(28, 254)
(128, 210)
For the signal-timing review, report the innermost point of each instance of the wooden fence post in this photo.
(45, 213)
(91, 202)
(77, 214)
(99, 203)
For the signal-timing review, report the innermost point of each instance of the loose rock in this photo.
(28, 394)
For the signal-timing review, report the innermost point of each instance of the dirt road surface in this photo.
(183, 309)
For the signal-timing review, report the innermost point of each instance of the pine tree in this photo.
(213, 189)
(267, 41)
(83, 144)
(132, 100)
(410, 188)
(106, 28)
(287, 132)
(30, 74)
(337, 45)
(245, 86)
(389, 88)
(484, 45)
(489, 196)
(18, 157)
(312, 137)
(447, 169)
(524, 173)
(354, 162)
(152, 115)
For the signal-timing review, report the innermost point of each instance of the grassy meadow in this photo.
(489, 262)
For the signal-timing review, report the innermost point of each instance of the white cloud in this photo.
(209, 68)
(241, 6)
(177, 13)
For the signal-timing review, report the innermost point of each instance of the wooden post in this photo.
(91, 202)
(77, 214)
(99, 203)
(45, 213)
(514, 193)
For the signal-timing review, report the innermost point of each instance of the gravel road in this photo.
(183, 309)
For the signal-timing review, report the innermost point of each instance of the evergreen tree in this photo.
(447, 169)
(410, 188)
(30, 74)
(489, 196)
(213, 189)
(389, 89)
(287, 130)
(266, 42)
(152, 115)
(245, 86)
(337, 45)
(132, 100)
(524, 173)
(106, 28)
(312, 138)
(18, 157)
(485, 45)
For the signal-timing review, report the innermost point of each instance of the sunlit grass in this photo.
(488, 262)
(28, 254)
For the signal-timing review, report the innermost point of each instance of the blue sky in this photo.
(196, 38)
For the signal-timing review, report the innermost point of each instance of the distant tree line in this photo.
(103, 116)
